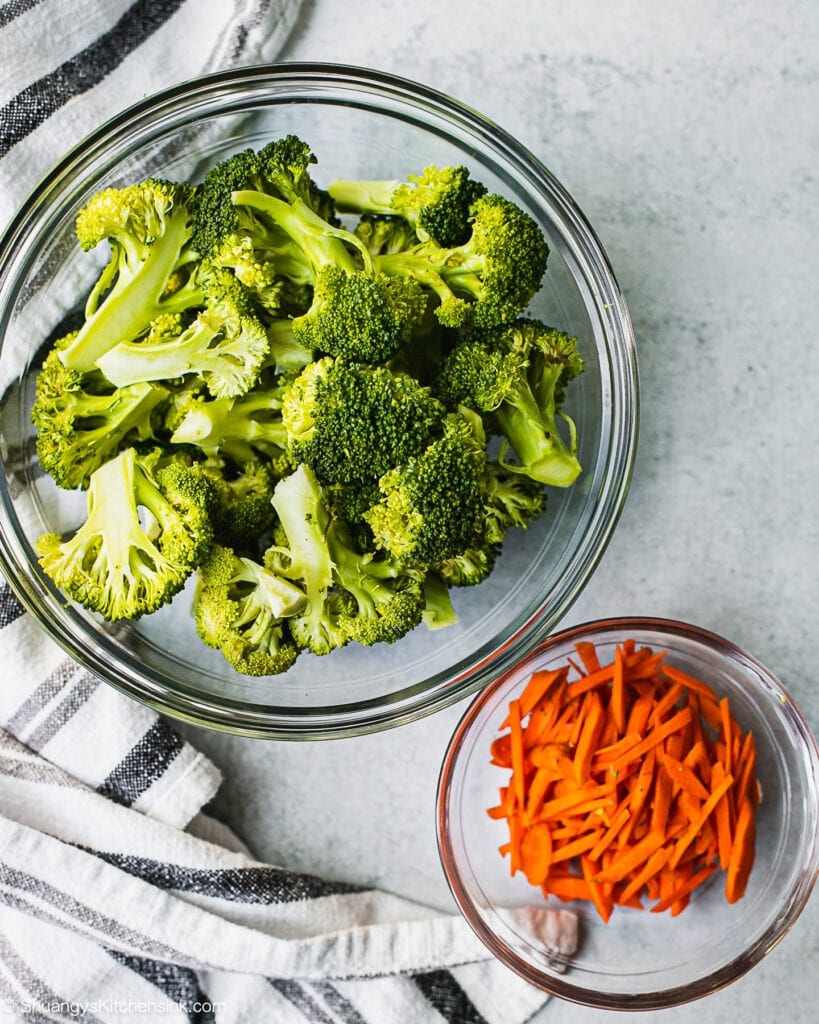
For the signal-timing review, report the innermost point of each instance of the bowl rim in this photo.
(556, 984)
(243, 718)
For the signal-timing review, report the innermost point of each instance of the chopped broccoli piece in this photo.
(241, 511)
(513, 500)
(432, 506)
(353, 422)
(436, 203)
(470, 567)
(519, 373)
(225, 345)
(350, 596)
(243, 429)
(82, 420)
(355, 312)
(489, 279)
(384, 235)
(123, 565)
(241, 608)
(149, 229)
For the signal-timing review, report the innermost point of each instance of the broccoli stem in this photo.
(129, 363)
(285, 352)
(404, 264)
(363, 196)
(535, 439)
(322, 244)
(438, 611)
(299, 504)
(129, 308)
(218, 423)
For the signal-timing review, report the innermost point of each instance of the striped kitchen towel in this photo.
(110, 910)
(109, 914)
(69, 65)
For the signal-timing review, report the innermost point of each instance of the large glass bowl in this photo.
(639, 960)
(359, 124)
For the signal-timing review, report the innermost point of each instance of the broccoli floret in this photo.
(241, 608)
(241, 512)
(512, 500)
(470, 567)
(354, 312)
(350, 596)
(519, 373)
(490, 278)
(432, 506)
(149, 228)
(124, 565)
(353, 422)
(225, 345)
(385, 235)
(82, 420)
(435, 203)
(243, 429)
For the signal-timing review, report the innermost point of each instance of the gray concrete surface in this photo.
(688, 134)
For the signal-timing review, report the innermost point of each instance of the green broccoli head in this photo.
(352, 422)
(241, 608)
(351, 596)
(241, 511)
(360, 316)
(149, 227)
(226, 345)
(432, 506)
(513, 500)
(384, 235)
(82, 420)
(123, 564)
(518, 373)
(470, 567)
(500, 267)
(436, 203)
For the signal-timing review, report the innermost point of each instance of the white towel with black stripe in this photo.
(119, 899)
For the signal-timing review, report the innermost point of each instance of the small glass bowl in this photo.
(360, 124)
(639, 960)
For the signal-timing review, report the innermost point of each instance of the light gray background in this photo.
(687, 132)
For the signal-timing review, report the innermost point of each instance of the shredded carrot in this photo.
(629, 780)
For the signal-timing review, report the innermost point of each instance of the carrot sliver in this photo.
(590, 682)
(536, 689)
(682, 776)
(617, 702)
(568, 887)
(602, 902)
(742, 853)
(634, 857)
(617, 823)
(663, 789)
(577, 796)
(589, 735)
(689, 682)
(587, 653)
(536, 853)
(725, 723)
(574, 848)
(685, 841)
(516, 753)
(685, 889)
(657, 735)
(723, 821)
(655, 863)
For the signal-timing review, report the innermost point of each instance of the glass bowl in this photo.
(639, 960)
(360, 124)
